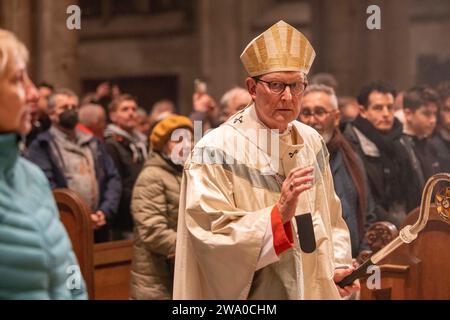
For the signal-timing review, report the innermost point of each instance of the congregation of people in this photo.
(126, 160)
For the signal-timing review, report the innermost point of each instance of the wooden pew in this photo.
(74, 214)
(112, 261)
(419, 270)
(105, 266)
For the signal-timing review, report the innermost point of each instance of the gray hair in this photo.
(324, 89)
(90, 114)
(230, 94)
(9, 44)
(62, 91)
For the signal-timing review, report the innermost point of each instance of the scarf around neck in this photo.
(400, 180)
(385, 142)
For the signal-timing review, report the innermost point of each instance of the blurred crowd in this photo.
(383, 145)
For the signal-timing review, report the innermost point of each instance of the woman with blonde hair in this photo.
(37, 261)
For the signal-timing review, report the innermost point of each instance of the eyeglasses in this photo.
(319, 113)
(278, 87)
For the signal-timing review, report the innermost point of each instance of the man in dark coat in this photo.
(78, 161)
(420, 106)
(375, 135)
(129, 154)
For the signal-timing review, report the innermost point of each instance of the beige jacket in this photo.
(155, 210)
(225, 210)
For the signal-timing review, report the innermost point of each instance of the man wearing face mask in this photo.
(319, 109)
(76, 160)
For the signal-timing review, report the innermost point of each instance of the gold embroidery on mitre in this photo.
(279, 48)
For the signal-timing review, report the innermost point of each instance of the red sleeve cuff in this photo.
(282, 233)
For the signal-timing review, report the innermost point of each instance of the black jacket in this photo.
(129, 161)
(391, 176)
(441, 143)
(423, 156)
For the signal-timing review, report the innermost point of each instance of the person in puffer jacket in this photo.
(36, 256)
(155, 209)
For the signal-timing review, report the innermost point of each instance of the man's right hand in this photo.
(298, 180)
(203, 102)
(94, 219)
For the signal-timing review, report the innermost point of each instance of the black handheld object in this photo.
(305, 230)
(360, 272)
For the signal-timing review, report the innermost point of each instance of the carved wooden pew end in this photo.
(105, 266)
(418, 270)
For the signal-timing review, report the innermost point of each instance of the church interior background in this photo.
(156, 48)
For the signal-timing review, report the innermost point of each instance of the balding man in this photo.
(233, 101)
(92, 119)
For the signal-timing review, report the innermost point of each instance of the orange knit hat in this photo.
(163, 130)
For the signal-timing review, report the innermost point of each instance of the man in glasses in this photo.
(78, 161)
(246, 181)
(319, 109)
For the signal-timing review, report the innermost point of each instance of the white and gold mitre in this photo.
(279, 48)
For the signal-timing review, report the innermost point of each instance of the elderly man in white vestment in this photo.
(245, 182)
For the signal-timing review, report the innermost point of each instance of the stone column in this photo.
(355, 54)
(57, 46)
(219, 33)
(388, 49)
(339, 29)
(18, 17)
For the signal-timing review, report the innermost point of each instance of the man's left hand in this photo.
(340, 274)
